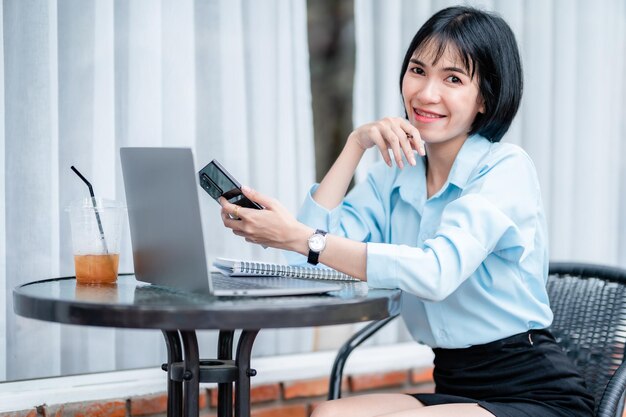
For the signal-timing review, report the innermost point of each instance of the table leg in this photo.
(242, 385)
(225, 390)
(174, 388)
(191, 383)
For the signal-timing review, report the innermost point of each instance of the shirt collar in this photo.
(412, 183)
(412, 179)
(472, 151)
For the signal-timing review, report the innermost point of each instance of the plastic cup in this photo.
(96, 235)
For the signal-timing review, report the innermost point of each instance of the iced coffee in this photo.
(96, 231)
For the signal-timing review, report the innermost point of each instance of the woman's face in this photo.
(441, 99)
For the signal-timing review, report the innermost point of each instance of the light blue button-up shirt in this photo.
(471, 260)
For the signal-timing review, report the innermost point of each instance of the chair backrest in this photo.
(589, 304)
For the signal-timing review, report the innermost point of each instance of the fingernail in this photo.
(245, 188)
(413, 161)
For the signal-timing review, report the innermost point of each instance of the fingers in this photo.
(243, 234)
(231, 211)
(380, 142)
(393, 142)
(237, 226)
(257, 197)
(391, 133)
(413, 136)
(401, 137)
(405, 143)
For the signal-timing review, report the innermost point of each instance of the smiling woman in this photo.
(570, 121)
(460, 230)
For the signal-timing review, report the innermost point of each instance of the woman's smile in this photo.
(423, 116)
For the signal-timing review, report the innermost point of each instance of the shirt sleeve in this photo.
(361, 216)
(497, 212)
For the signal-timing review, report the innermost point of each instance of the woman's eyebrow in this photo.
(446, 69)
(455, 69)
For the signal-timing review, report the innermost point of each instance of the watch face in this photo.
(316, 243)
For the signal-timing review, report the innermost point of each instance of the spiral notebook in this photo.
(239, 268)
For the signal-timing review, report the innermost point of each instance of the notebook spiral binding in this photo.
(260, 268)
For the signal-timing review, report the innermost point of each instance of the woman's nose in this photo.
(429, 92)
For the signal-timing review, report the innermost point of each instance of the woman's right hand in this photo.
(393, 133)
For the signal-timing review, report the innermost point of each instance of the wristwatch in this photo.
(317, 243)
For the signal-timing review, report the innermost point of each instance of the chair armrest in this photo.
(336, 374)
(613, 395)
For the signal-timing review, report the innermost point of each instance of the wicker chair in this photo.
(589, 304)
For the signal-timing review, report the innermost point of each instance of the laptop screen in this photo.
(164, 217)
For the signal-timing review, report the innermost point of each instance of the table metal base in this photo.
(185, 371)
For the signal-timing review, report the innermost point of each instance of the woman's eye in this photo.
(453, 79)
(417, 70)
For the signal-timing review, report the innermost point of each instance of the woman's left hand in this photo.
(274, 226)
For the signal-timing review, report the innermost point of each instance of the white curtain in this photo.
(229, 78)
(572, 120)
(81, 78)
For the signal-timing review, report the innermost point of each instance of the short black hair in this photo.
(487, 47)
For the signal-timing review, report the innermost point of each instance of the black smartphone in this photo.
(218, 182)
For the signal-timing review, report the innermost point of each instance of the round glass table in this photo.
(133, 304)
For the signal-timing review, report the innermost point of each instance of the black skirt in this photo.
(519, 376)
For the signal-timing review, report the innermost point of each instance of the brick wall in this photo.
(280, 399)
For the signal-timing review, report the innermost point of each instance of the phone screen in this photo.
(216, 181)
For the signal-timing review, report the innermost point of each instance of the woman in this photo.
(460, 229)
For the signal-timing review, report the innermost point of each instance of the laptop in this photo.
(166, 230)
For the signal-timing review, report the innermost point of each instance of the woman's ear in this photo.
(481, 105)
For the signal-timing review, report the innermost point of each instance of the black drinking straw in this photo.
(93, 201)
